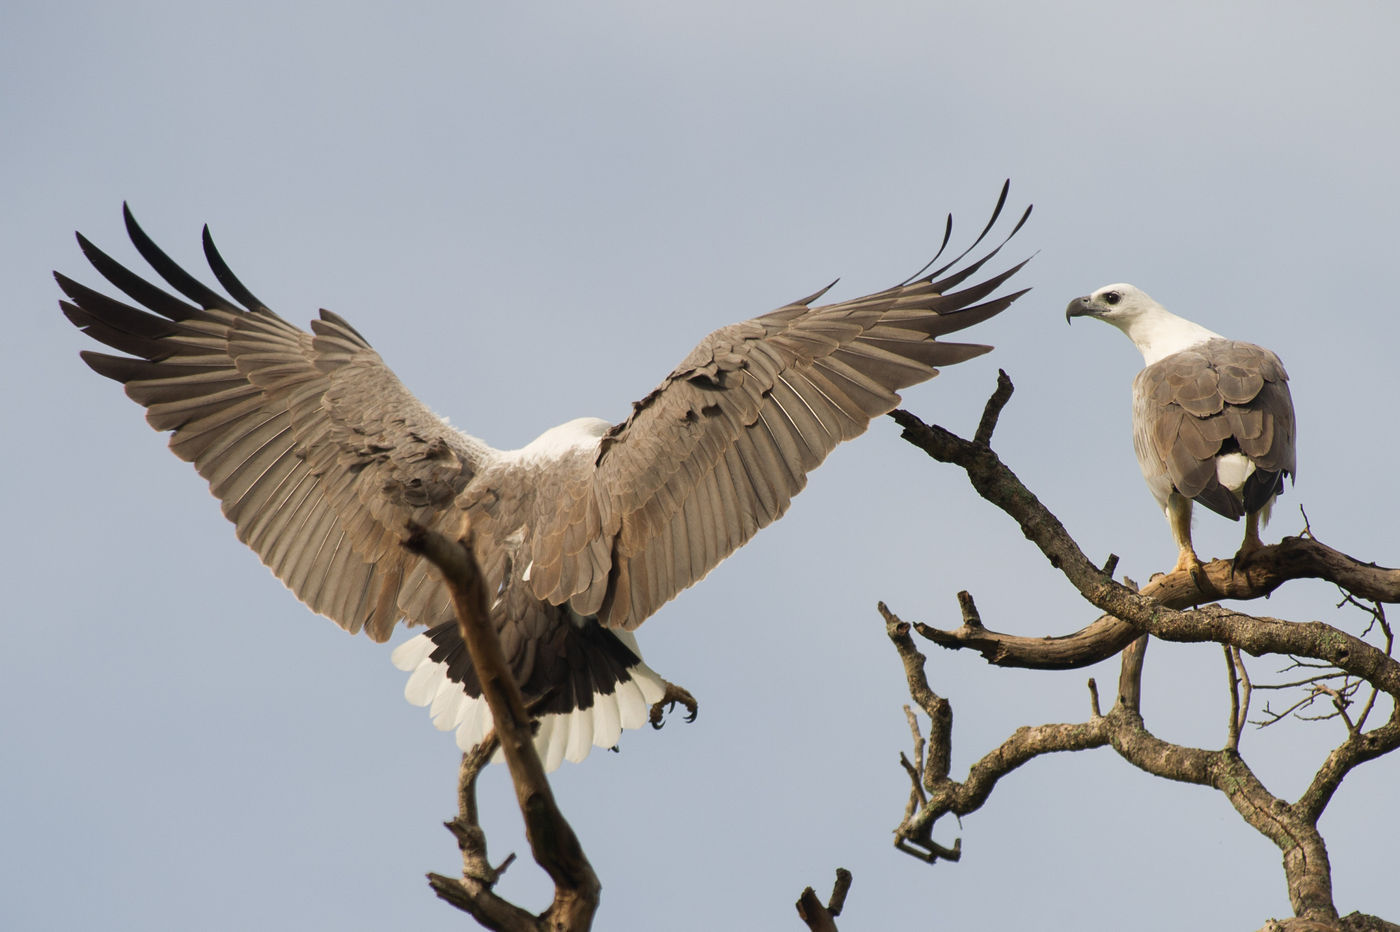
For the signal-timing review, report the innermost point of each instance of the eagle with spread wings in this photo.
(321, 457)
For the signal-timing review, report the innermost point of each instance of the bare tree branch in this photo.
(1130, 675)
(1292, 829)
(943, 795)
(1130, 617)
(552, 841)
(992, 411)
(1267, 569)
(1238, 713)
(1354, 922)
(822, 918)
(473, 892)
(1377, 612)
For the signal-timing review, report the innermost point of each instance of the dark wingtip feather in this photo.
(146, 345)
(947, 237)
(225, 275)
(963, 318)
(76, 316)
(1022, 222)
(116, 368)
(924, 272)
(65, 283)
(991, 222)
(168, 269)
(996, 215)
(133, 229)
(131, 284)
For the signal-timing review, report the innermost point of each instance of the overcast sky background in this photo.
(534, 211)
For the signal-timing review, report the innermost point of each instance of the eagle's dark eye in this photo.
(1112, 297)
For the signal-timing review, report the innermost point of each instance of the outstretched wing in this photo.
(1216, 398)
(719, 449)
(316, 451)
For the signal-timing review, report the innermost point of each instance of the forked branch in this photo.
(552, 841)
(819, 916)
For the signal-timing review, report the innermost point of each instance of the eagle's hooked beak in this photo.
(1079, 307)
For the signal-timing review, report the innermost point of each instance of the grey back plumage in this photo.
(1219, 396)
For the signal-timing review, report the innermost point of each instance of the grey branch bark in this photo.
(553, 843)
(1130, 616)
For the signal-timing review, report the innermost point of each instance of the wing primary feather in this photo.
(967, 317)
(148, 347)
(131, 284)
(991, 222)
(1025, 215)
(225, 275)
(956, 278)
(947, 237)
(168, 269)
(963, 273)
(112, 314)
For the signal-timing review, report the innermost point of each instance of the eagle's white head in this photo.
(1156, 331)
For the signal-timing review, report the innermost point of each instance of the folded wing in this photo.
(1216, 398)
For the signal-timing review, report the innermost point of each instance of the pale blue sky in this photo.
(534, 212)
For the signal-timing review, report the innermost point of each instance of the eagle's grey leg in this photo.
(668, 702)
(1179, 517)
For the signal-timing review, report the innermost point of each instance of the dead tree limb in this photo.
(819, 917)
(1130, 616)
(553, 843)
(941, 795)
(1266, 570)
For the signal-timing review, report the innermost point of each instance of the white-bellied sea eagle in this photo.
(320, 457)
(1212, 417)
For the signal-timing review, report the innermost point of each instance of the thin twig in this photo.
(1248, 696)
(1232, 730)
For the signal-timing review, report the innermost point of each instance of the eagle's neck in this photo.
(1158, 333)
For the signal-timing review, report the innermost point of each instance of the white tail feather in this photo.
(475, 722)
(607, 727)
(553, 753)
(409, 654)
(561, 735)
(580, 734)
(422, 684)
(451, 711)
(631, 706)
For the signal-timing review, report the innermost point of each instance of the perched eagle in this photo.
(1212, 417)
(320, 457)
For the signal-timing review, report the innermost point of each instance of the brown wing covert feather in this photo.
(1220, 397)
